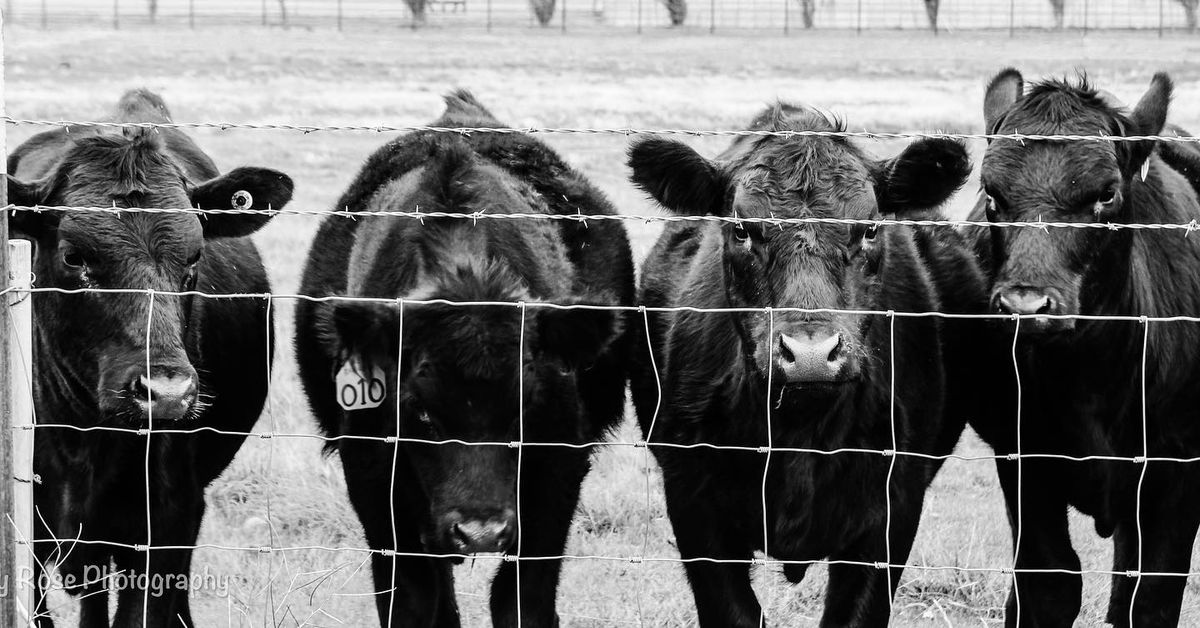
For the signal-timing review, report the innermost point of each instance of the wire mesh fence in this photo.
(661, 555)
(786, 16)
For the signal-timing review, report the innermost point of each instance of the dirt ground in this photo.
(281, 494)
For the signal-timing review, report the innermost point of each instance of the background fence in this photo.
(701, 15)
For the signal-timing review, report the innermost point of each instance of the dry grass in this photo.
(280, 492)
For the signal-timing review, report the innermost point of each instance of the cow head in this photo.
(454, 373)
(1045, 271)
(112, 347)
(816, 266)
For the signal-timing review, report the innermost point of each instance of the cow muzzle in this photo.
(815, 355)
(1036, 302)
(466, 532)
(162, 393)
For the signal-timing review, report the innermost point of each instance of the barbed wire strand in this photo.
(417, 214)
(1100, 136)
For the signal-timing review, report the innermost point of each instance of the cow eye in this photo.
(72, 258)
(740, 233)
(189, 279)
(871, 232)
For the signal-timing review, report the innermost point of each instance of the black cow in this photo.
(130, 360)
(457, 377)
(829, 371)
(1082, 381)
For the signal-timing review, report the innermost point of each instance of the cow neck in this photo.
(61, 388)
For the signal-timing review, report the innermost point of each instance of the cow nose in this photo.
(1025, 301)
(166, 393)
(815, 356)
(481, 534)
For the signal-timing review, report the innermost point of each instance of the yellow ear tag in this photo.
(358, 389)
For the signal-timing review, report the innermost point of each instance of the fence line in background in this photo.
(699, 16)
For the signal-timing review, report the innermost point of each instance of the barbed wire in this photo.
(1100, 136)
(1190, 226)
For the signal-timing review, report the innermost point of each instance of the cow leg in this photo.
(704, 530)
(1168, 529)
(163, 601)
(93, 606)
(410, 591)
(859, 595)
(1039, 600)
(42, 553)
(549, 493)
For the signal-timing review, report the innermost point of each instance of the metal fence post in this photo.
(264, 12)
(1085, 17)
(712, 16)
(787, 14)
(858, 19)
(116, 15)
(489, 16)
(339, 9)
(563, 15)
(639, 17)
(1160, 19)
(1012, 18)
(43, 14)
(192, 14)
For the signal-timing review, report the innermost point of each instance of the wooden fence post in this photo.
(16, 409)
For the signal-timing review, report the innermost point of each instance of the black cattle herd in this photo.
(1087, 404)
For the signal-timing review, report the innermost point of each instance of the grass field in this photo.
(281, 493)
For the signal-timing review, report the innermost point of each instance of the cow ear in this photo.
(925, 175)
(30, 223)
(577, 336)
(358, 327)
(677, 177)
(241, 188)
(1149, 117)
(1004, 90)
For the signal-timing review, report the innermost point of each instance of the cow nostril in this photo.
(1046, 306)
(139, 388)
(785, 354)
(835, 354)
(461, 536)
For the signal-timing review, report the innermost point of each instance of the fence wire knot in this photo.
(888, 453)
(1133, 573)
(881, 565)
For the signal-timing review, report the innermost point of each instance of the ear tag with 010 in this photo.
(359, 388)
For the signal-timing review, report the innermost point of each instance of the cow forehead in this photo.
(805, 177)
(1011, 164)
(175, 235)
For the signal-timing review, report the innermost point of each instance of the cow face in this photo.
(811, 266)
(129, 349)
(457, 380)
(1045, 271)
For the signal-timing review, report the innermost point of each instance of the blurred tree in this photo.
(543, 10)
(153, 11)
(931, 9)
(1189, 9)
(283, 16)
(677, 9)
(1059, 6)
(807, 9)
(418, 11)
